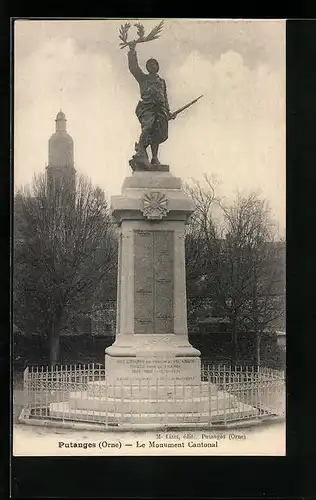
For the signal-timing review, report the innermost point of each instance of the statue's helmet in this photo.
(152, 62)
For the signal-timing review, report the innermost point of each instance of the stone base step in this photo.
(124, 405)
(99, 389)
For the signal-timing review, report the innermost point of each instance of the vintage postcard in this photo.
(149, 237)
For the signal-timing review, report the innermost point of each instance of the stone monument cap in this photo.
(151, 179)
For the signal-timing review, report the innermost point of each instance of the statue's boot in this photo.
(140, 159)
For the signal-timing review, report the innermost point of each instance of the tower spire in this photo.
(60, 146)
(61, 121)
(60, 166)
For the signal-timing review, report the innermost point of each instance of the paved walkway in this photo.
(267, 439)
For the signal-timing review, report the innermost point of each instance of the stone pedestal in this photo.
(153, 374)
(151, 333)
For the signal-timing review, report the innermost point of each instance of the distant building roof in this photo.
(280, 333)
(214, 320)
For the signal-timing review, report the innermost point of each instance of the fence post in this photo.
(48, 392)
(209, 395)
(26, 387)
(225, 392)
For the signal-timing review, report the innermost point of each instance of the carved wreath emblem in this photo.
(155, 205)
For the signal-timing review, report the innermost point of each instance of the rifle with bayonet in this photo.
(175, 113)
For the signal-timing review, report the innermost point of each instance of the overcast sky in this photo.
(236, 132)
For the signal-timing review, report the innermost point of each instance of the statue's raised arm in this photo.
(133, 63)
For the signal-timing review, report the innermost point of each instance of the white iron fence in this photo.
(81, 393)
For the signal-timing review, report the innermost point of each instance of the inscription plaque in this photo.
(174, 370)
(153, 281)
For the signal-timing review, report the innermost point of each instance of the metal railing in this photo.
(81, 393)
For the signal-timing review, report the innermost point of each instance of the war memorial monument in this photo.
(152, 338)
(152, 375)
(152, 370)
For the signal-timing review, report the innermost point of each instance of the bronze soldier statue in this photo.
(152, 110)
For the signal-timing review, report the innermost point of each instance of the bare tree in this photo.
(235, 254)
(265, 306)
(64, 249)
(202, 234)
(250, 268)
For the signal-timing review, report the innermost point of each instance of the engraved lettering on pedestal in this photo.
(153, 304)
(163, 286)
(143, 279)
(174, 370)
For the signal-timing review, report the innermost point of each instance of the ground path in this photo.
(266, 439)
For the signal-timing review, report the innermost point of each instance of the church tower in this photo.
(60, 168)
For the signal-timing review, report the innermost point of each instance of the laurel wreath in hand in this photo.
(153, 35)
